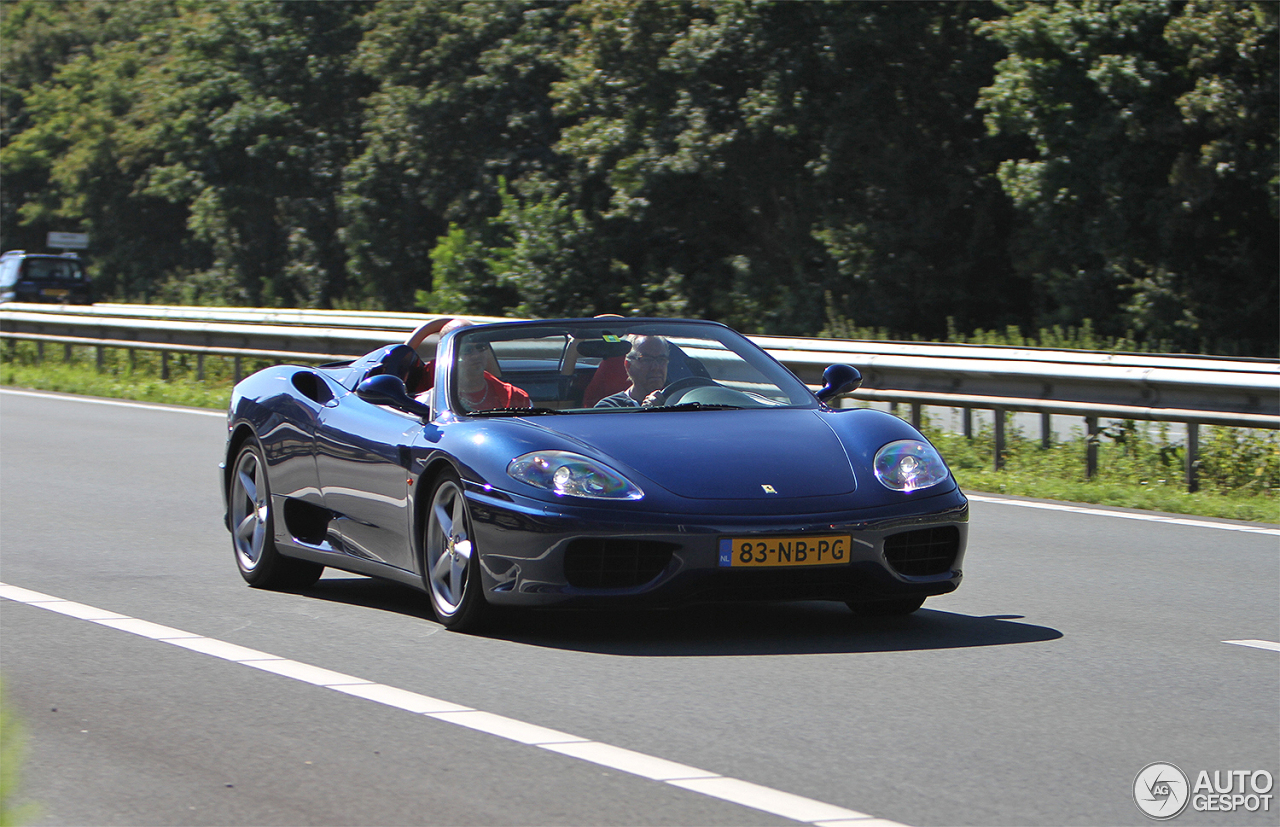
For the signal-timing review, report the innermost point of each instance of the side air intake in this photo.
(923, 552)
(606, 563)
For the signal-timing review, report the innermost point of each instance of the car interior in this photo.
(561, 372)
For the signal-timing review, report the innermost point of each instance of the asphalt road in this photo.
(1083, 645)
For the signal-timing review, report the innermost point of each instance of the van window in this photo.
(9, 272)
(41, 269)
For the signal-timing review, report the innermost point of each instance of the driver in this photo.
(647, 369)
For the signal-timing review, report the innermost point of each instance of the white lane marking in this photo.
(1256, 644)
(767, 799)
(509, 728)
(744, 793)
(636, 763)
(145, 628)
(219, 649)
(119, 403)
(399, 698)
(1126, 515)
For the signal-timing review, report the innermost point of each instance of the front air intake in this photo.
(923, 552)
(606, 563)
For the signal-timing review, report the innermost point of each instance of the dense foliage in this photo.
(916, 167)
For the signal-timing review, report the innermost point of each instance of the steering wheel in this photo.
(679, 386)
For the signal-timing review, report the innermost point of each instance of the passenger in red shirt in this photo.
(478, 389)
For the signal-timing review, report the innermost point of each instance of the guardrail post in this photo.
(238, 371)
(1193, 457)
(1091, 447)
(199, 367)
(999, 428)
(66, 354)
(100, 357)
(164, 365)
(39, 351)
(1046, 431)
(916, 417)
(966, 416)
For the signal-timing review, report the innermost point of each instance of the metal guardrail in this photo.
(1194, 390)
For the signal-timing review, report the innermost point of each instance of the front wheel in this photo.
(452, 564)
(253, 528)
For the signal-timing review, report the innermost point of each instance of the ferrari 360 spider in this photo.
(586, 463)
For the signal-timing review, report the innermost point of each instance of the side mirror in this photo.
(839, 379)
(388, 390)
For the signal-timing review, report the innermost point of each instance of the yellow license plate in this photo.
(761, 552)
(56, 292)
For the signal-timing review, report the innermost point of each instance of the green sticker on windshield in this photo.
(609, 337)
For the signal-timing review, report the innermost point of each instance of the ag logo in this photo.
(1161, 791)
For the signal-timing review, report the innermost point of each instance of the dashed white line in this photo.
(744, 793)
(1126, 515)
(1256, 644)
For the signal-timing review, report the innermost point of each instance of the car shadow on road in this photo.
(795, 628)
(372, 593)
(762, 629)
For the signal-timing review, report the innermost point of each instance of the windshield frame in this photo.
(796, 394)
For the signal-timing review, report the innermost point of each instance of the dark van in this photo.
(35, 277)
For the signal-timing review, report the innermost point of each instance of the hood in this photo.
(754, 454)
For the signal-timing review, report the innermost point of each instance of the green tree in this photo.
(461, 101)
(257, 112)
(1149, 188)
(761, 157)
(199, 143)
(69, 72)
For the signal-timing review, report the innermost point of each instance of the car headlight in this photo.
(572, 475)
(909, 465)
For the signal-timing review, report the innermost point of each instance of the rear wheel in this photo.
(452, 565)
(253, 528)
(887, 608)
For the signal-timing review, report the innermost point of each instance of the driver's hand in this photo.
(652, 399)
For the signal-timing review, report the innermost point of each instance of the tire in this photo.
(252, 524)
(451, 563)
(887, 608)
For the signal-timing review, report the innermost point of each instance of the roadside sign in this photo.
(68, 241)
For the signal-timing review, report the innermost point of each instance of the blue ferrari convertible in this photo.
(586, 463)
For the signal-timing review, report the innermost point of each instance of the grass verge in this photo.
(1240, 469)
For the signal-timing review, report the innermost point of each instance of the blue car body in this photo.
(353, 471)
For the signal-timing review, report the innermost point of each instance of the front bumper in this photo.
(525, 546)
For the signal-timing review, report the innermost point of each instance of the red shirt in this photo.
(497, 394)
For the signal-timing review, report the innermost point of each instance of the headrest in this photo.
(603, 349)
(404, 362)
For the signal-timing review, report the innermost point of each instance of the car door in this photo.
(362, 457)
(290, 446)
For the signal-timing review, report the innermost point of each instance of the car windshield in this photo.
(601, 366)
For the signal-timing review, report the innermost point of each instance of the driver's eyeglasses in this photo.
(647, 360)
(473, 349)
